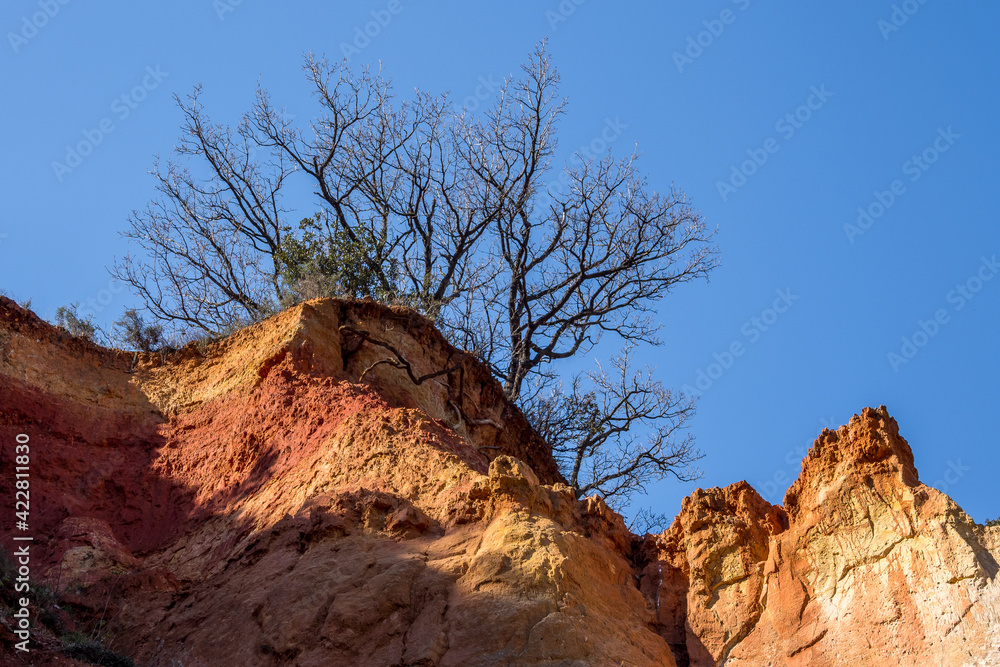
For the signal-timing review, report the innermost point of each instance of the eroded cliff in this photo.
(339, 486)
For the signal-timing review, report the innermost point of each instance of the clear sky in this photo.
(779, 121)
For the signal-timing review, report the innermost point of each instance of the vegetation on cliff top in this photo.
(459, 216)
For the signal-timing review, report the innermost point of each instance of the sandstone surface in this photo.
(338, 485)
(863, 565)
(310, 492)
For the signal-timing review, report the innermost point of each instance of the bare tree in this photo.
(646, 520)
(392, 175)
(613, 433)
(573, 265)
(451, 214)
(210, 239)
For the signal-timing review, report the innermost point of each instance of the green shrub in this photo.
(69, 319)
(132, 331)
(323, 260)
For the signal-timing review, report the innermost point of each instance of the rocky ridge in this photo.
(338, 485)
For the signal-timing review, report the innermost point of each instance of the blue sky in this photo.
(779, 122)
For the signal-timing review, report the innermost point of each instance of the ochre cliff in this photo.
(863, 565)
(337, 485)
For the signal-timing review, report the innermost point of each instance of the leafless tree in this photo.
(393, 176)
(646, 520)
(211, 238)
(614, 432)
(573, 264)
(454, 215)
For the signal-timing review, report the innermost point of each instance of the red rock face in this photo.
(283, 498)
(288, 496)
(875, 566)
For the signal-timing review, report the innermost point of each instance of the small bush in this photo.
(323, 260)
(23, 303)
(993, 522)
(69, 319)
(132, 331)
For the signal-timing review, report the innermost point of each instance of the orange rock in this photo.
(285, 499)
(337, 485)
(868, 566)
